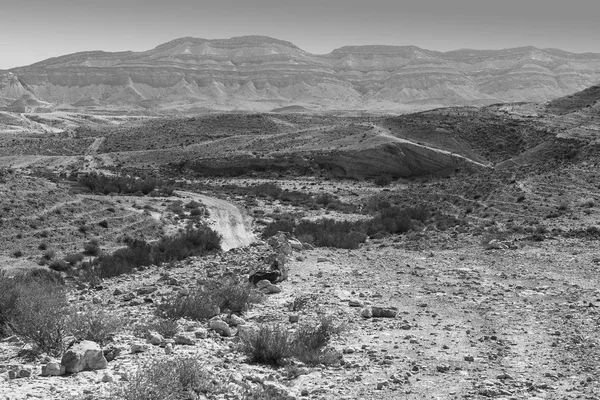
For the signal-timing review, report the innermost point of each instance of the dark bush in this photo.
(383, 180)
(170, 379)
(211, 297)
(272, 343)
(138, 253)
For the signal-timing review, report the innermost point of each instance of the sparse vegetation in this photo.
(209, 299)
(122, 184)
(94, 324)
(170, 379)
(33, 305)
(273, 343)
(138, 253)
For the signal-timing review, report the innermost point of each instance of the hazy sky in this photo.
(33, 30)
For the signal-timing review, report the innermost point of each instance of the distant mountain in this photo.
(262, 73)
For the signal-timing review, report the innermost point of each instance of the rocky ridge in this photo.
(262, 73)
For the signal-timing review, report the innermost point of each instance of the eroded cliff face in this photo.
(260, 73)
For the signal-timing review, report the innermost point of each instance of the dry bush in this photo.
(311, 340)
(170, 379)
(34, 307)
(272, 343)
(94, 324)
(213, 296)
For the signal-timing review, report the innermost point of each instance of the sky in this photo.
(34, 30)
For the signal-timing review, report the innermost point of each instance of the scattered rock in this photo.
(294, 318)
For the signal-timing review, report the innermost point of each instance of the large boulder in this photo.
(85, 355)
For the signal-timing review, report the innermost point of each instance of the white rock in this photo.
(219, 326)
(154, 338)
(85, 355)
(53, 369)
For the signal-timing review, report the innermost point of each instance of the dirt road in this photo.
(227, 219)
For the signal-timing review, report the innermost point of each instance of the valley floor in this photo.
(472, 323)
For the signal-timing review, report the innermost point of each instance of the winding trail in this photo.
(228, 220)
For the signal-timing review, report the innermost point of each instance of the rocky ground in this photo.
(471, 323)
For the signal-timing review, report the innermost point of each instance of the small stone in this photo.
(262, 284)
(384, 312)
(96, 300)
(154, 338)
(201, 333)
(469, 358)
(168, 348)
(293, 318)
(185, 339)
(108, 377)
(355, 303)
(24, 373)
(295, 244)
(382, 384)
(139, 348)
(322, 259)
(184, 292)
(117, 292)
(235, 320)
(366, 312)
(128, 297)
(219, 326)
(53, 369)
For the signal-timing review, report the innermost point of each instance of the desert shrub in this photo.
(48, 255)
(191, 242)
(311, 340)
(91, 248)
(170, 379)
(33, 306)
(331, 233)
(270, 344)
(210, 298)
(274, 342)
(383, 180)
(58, 265)
(73, 258)
(94, 324)
(195, 212)
(278, 226)
(138, 253)
(192, 205)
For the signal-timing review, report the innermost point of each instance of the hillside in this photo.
(260, 73)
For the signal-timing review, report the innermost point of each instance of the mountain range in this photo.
(261, 74)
